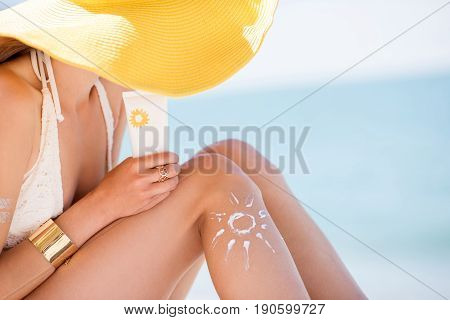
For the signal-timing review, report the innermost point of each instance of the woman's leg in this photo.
(323, 273)
(184, 285)
(146, 255)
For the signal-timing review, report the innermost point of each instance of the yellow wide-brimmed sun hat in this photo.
(169, 47)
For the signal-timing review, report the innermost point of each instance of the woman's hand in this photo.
(133, 186)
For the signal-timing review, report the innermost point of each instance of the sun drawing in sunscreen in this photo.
(249, 226)
(138, 118)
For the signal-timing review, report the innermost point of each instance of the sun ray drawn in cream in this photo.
(233, 199)
(230, 245)
(218, 234)
(246, 246)
(249, 201)
(260, 236)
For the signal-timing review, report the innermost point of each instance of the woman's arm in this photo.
(18, 127)
(17, 133)
(23, 267)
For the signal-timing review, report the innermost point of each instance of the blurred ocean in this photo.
(379, 159)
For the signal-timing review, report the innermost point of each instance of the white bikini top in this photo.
(41, 194)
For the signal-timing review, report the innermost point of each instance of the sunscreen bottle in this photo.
(147, 120)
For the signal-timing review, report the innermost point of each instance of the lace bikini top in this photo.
(41, 194)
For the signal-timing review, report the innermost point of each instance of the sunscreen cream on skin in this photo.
(147, 120)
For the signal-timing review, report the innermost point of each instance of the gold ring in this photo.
(163, 173)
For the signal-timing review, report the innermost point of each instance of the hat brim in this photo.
(173, 48)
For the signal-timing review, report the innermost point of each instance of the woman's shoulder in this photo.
(19, 109)
(14, 88)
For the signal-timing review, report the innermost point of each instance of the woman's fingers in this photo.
(156, 159)
(155, 200)
(155, 174)
(161, 187)
(159, 191)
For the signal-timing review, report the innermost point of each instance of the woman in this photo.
(125, 231)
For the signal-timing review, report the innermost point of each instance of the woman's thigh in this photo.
(139, 257)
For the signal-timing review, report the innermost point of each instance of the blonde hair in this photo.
(10, 47)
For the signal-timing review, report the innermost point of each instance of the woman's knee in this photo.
(232, 148)
(214, 175)
(244, 155)
(210, 164)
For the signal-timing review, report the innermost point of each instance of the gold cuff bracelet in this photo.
(53, 243)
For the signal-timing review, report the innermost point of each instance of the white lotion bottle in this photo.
(148, 122)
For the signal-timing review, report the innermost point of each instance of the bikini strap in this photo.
(38, 67)
(109, 119)
(51, 78)
(38, 59)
